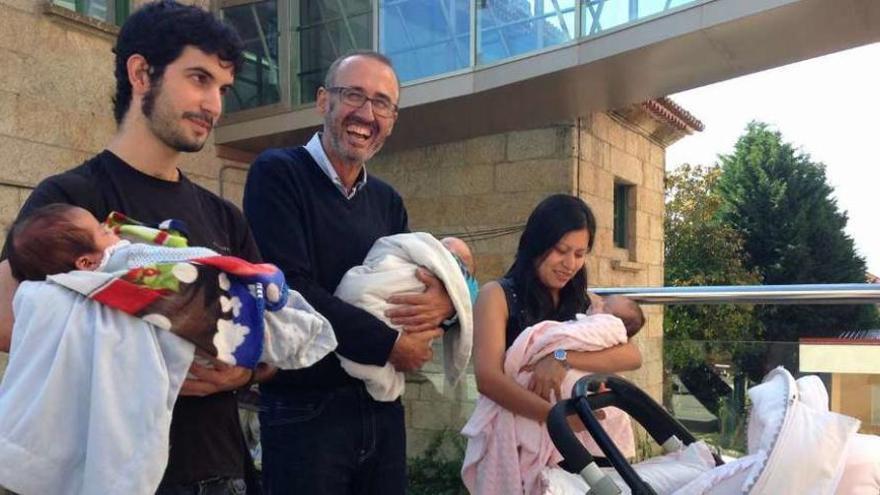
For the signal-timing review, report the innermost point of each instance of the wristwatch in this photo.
(561, 355)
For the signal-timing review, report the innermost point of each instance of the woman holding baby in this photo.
(547, 281)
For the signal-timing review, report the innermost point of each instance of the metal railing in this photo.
(751, 294)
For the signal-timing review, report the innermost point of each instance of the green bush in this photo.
(438, 470)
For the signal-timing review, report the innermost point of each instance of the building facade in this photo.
(503, 103)
(56, 88)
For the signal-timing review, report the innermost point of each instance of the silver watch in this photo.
(561, 355)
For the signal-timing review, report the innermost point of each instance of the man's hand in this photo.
(264, 372)
(209, 381)
(547, 377)
(413, 350)
(421, 312)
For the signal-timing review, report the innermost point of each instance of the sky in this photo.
(828, 106)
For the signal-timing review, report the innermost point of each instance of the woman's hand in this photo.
(547, 377)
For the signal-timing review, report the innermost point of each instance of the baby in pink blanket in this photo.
(624, 308)
(508, 453)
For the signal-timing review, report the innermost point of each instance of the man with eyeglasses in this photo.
(315, 213)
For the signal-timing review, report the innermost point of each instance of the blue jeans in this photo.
(215, 486)
(332, 442)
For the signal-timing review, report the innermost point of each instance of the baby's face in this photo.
(614, 307)
(104, 237)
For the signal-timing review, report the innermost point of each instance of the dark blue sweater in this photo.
(305, 226)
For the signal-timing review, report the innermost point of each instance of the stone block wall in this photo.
(610, 150)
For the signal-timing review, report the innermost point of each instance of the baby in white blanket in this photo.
(390, 268)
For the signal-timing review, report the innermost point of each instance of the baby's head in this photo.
(627, 310)
(462, 252)
(57, 238)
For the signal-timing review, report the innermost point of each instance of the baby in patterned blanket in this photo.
(61, 238)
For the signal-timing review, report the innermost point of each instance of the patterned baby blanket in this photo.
(217, 302)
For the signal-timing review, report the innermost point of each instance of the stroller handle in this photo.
(577, 459)
(589, 395)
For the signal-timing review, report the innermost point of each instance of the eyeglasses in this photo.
(356, 98)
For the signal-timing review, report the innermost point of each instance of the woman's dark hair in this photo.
(554, 217)
(47, 242)
(159, 31)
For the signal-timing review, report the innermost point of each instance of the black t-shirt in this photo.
(206, 439)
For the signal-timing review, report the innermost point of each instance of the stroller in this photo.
(618, 392)
(796, 445)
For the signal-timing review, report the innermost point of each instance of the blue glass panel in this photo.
(425, 37)
(601, 15)
(507, 28)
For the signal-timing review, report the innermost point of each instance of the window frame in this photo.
(117, 10)
(283, 105)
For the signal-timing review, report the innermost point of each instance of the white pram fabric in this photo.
(665, 474)
(388, 269)
(796, 447)
(86, 400)
(861, 474)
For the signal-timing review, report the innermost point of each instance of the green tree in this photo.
(703, 250)
(793, 232)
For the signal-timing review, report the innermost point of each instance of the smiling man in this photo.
(315, 213)
(173, 64)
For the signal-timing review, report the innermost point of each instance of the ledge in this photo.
(627, 266)
(84, 22)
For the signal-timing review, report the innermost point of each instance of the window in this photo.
(258, 82)
(601, 15)
(507, 28)
(622, 214)
(425, 37)
(110, 11)
(325, 30)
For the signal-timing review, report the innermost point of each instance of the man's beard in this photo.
(337, 137)
(164, 125)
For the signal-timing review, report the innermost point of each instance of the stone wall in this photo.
(612, 149)
(55, 97)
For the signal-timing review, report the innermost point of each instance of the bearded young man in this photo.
(173, 64)
(315, 213)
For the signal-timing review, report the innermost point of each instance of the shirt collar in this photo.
(316, 149)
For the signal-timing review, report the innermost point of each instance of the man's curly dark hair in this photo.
(159, 31)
